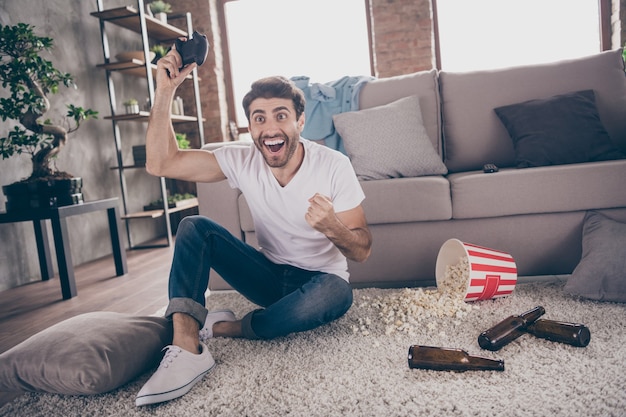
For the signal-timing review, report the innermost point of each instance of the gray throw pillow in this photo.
(88, 354)
(389, 141)
(601, 273)
(563, 129)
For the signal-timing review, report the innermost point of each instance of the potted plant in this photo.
(159, 52)
(159, 9)
(132, 106)
(30, 79)
(172, 201)
(183, 143)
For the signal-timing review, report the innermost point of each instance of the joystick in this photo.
(194, 49)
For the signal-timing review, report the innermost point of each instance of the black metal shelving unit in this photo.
(150, 29)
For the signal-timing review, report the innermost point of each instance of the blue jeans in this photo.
(293, 299)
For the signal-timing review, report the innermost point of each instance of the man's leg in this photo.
(293, 299)
(200, 245)
(320, 300)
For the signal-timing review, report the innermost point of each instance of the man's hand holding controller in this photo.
(193, 50)
(172, 69)
(180, 61)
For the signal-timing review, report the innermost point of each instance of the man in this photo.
(306, 204)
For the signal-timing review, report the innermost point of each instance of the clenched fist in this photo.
(321, 213)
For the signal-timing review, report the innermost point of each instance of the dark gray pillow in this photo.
(601, 273)
(563, 129)
(389, 141)
(88, 354)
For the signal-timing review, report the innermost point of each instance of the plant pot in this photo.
(132, 108)
(161, 16)
(43, 193)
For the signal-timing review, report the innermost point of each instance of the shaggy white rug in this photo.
(357, 366)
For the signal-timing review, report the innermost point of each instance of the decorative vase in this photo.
(43, 193)
(161, 16)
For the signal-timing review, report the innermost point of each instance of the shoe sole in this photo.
(173, 394)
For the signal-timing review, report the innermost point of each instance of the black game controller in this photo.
(194, 49)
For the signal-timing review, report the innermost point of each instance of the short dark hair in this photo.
(275, 87)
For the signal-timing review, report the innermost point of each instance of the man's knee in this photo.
(196, 224)
(336, 292)
(194, 220)
(335, 284)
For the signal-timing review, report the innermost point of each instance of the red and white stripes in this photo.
(493, 273)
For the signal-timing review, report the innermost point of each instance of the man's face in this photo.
(275, 130)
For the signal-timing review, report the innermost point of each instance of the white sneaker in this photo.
(177, 374)
(211, 318)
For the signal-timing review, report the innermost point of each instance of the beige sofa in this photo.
(535, 214)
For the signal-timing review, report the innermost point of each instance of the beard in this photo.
(278, 149)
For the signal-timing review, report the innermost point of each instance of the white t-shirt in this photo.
(278, 212)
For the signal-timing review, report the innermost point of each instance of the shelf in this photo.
(135, 67)
(128, 17)
(144, 116)
(151, 31)
(153, 214)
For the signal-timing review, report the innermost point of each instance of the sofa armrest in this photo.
(218, 200)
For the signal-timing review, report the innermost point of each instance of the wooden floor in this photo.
(28, 309)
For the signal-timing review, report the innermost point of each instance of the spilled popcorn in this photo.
(418, 306)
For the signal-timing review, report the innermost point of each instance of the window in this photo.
(322, 39)
(483, 34)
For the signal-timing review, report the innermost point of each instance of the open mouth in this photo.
(274, 145)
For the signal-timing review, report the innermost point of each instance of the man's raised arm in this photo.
(163, 158)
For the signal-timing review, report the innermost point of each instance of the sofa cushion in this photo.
(562, 188)
(600, 273)
(563, 129)
(87, 354)
(389, 141)
(398, 200)
(406, 200)
(473, 133)
(423, 84)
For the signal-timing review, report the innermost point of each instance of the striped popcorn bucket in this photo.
(492, 273)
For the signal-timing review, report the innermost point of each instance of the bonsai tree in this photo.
(30, 79)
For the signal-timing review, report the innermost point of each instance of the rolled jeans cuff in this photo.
(187, 306)
(246, 326)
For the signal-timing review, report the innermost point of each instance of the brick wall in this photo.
(402, 36)
(622, 18)
(618, 28)
(212, 88)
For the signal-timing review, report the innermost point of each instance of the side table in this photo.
(58, 217)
